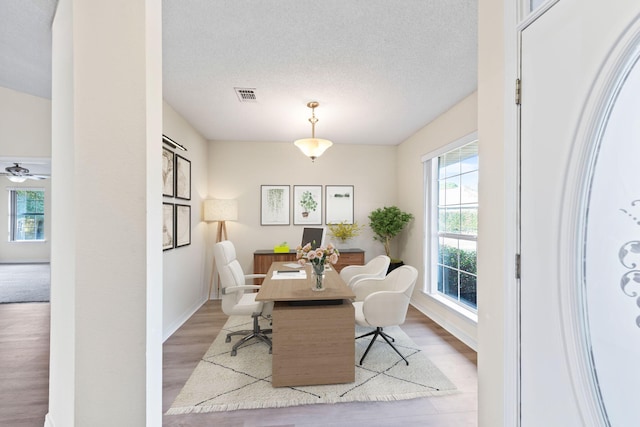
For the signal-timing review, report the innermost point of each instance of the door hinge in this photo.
(518, 92)
(517, 266)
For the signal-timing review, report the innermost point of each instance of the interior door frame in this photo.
(516, 20)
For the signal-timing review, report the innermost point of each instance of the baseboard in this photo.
(180, 320)
(48, 420)
(22, 261)
(447, 326)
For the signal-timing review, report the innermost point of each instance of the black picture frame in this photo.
(168, 175)
(183, 177)
(183, 225)
(168, 226)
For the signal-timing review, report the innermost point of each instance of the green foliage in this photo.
(307, 202)
(386, 223)
(449, 280)
(459, 221)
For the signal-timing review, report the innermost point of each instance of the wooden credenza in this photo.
(263, 258)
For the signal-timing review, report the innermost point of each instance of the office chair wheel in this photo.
(234, 352)
(228, 339)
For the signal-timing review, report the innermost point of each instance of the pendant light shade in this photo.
(313, 147)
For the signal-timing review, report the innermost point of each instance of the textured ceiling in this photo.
(380, 69)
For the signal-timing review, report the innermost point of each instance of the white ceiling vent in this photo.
(246, 94)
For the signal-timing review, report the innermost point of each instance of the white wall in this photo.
(185, 284)
(457, 122)
(238, 169)
(25, 132)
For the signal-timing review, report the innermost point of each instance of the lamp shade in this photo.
(220, 210)
(313, 147)
(14, 178)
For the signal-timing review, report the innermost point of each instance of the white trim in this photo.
(176, 324)
(450, 146)
(532, 16)
(511, 305)
(447, 325)
(48, 420)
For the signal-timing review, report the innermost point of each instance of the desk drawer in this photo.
(349, 258)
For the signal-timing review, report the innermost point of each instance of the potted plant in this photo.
(308, 203)
(386, 223)
(343, 232)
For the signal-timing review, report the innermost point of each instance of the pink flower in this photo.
(333, 258)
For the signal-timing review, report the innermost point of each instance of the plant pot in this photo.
(394, 264)
(305, 214)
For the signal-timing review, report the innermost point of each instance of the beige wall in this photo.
(25, 132)
(185, 279)
(457, 122)
(238, 169)
(492, 220)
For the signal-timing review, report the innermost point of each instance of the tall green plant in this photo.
(386, 223)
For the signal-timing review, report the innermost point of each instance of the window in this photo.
(26, 221)
(452, 220)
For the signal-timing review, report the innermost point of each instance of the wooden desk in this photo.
(263, 258)
(313, 332)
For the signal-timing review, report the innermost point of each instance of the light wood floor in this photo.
(24, 377)
(24, 364)
(183, 351)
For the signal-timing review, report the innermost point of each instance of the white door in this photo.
(580, 181)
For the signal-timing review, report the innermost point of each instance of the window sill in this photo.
(28, 241)
(460, 311)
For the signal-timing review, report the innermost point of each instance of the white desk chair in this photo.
(386, 304)
(235, 299)
(377, 267)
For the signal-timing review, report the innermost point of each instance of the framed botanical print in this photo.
(339, 204)
(274, 205)
(183, 225)
(167, 226)
(307, 204)
(183, 177)
(167, 172)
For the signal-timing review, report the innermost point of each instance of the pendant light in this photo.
(313, 147)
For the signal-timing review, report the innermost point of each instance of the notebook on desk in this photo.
(289, 274)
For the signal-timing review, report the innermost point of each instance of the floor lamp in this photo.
(221, 211)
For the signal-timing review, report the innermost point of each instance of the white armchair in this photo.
(377, 267)
(239, 298)
(386, 304)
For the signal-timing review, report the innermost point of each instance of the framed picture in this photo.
(307, 204)
(274, 205)
(183, 178)
(167, 172)
(339, 204)
(183, 225)
(167, 226)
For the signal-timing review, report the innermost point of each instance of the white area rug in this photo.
(223, 383)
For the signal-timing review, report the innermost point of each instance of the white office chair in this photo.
(386, 304)
(377, 267)
(235, 299)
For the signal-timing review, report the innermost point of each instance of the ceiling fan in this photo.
(17, 173)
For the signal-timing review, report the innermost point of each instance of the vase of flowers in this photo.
(318, 258)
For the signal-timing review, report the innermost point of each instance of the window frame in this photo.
(13, 215)
(430, 243)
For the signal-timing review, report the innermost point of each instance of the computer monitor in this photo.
(315, 236)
